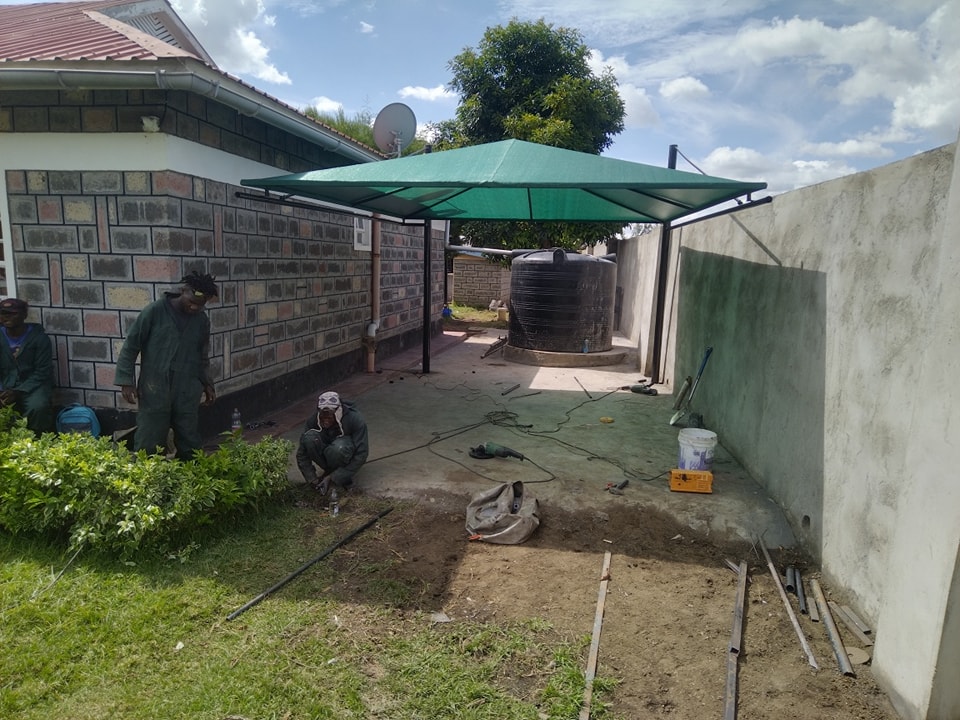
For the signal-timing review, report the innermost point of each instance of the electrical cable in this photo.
(508, 419)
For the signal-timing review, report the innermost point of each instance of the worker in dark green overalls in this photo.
(172, 338)
(26, 366)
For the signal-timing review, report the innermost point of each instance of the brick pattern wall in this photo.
(92, 249)
(186, 115)
(477, 281)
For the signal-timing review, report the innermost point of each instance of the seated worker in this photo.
(336, 440)
(26, 366)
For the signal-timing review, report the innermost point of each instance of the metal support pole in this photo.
(663, 268)
(427, 294)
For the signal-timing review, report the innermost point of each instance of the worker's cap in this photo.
(328, 401)
(13, 305)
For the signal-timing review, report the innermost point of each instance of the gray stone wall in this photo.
(181, 114)
(92, 249)
(477, 281)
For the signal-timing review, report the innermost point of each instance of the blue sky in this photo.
(790, 93)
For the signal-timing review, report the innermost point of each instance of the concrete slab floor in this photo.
(422, 427)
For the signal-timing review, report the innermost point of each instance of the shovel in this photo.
(686, 406)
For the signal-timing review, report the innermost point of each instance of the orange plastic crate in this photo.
(696, 481)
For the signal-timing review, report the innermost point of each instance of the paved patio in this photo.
(422, 427)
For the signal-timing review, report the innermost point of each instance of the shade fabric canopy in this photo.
(513, 180)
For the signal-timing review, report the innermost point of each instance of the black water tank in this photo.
(562, 301)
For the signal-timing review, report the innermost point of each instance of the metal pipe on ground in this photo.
(736, 636)
(786, 602)
(239, 611)
(801, 596)
(835, 640)
(591, 671)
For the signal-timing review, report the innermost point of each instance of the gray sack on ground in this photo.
(505, 515)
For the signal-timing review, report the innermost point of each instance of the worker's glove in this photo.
(323, 485)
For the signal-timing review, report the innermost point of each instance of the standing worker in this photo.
(336, 440)
(26, 366)
(172, 338)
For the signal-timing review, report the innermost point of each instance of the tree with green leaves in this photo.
(531, 81)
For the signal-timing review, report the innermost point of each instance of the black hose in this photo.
(306, 565)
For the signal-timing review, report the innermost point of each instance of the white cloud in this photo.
(326, 105)
(227, 29)
(780, 174)
(640, 112)
(684, 89)
(863, 147)
(440, 92)
(623, 22)
(365, 27)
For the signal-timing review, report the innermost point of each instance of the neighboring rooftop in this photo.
(105, 30)
(138, 44)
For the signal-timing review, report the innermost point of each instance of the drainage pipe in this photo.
(375, 266)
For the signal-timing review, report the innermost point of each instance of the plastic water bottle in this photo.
(586, 345)
(236, 424)
(334, 503)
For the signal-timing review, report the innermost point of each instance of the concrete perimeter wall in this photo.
(833, 313)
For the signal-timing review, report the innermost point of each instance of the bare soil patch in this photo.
(668, 612)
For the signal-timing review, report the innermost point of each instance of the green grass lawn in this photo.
(150, 639)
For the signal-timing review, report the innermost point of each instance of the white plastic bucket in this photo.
(696, 449)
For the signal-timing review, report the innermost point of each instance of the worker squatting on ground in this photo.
(336, 440)
(26, 366)
(172, 338)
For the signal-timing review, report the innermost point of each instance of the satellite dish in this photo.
(394, 128)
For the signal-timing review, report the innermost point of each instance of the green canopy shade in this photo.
(513, 180)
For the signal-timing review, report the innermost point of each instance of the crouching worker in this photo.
(334, 441)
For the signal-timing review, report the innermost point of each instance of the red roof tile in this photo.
(85, 31)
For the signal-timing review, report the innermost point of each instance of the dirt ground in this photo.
(668, 612)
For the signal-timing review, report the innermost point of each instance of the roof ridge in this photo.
(151, 43)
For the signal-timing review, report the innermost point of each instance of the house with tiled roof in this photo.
(122, 147)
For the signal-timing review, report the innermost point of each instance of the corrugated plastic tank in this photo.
(562, 301)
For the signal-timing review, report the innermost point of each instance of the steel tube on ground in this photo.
(801, 596)
(791, 584)
(306, 565)
(736, 635)
(838, 648)
(786, 602)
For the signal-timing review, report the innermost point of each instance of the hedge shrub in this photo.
(97, 495)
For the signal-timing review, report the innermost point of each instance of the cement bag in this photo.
(504, 515)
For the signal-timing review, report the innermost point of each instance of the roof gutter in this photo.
(198, 79)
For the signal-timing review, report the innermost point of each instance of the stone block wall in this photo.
(186, 115)
(91, 249)
(477, 281)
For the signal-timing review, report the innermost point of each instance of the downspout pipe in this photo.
(375, 267)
